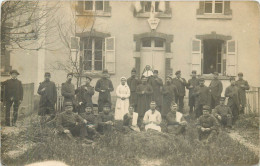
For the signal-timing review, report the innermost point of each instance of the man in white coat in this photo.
(122, 102)
(152, 118)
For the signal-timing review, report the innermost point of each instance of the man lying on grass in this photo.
(152, 118)
(105, 120)
(175, 121)
(130, 120)
(207, 125)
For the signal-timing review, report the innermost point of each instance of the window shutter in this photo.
(231, 59)
(227, 9)
(110, 56)
(196, 55)
(107, 8)
(167, 7)
(74, 43)
(200, 10)
(80, 7)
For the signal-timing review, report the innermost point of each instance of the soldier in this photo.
(104, 86)
(180, 83)
(156, 84)
(168, 91)
(232, 92)
(128, 123)
(202, 97)
(105, 120)
(207, 125)
(84, 95)
(70, 123)
(175, 125)
(152, 118)
(48, 93)
(192, 83)
(133, 82)
(68, 90)
(223, 113)
(216, 89)
(13, 95)
(242, 86)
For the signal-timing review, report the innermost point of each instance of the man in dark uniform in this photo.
(84, 95)
(223, 113)
(207, 126)
(133, 82)
(47, 91)
(104, 86)
(216, 89)
(105, 120)
(192, 83)
(13, 91)
(242, 86)
(180, 83)
(232, 92)
(68, 90)
(202, 97)
(156, 84)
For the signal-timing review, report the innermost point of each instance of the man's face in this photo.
(168, 80)
(232, 82)
(88, 110)
(47, 77)
(14, 75)
(87, 81)
(152, 106)
(123, 81)
(106, 110)
(201, 82)
(222, 102)
(155, 74)
(68, 108)
(193, 75)
(215, 76)
(178, 75)
(240, 77)
(131, 110)
(144, 80)
(69, 78)
(174, 109)
(133, 74)
(205, 112)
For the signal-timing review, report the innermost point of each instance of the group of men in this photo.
(152, 99)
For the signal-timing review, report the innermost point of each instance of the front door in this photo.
(153, 54)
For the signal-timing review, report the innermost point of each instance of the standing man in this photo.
(104, 86)
(192, 83)
(156, 84)
(84, 95)
(13, 96)
(242, 86)
(216, 89)
(144, 92)
(202, 97)
(133, 82)
(47, 91)
(232, 92)
(180, 83)
(68, 90)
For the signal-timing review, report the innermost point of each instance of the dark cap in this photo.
(133, 70)
(70, 74)
(105, 71)
(88, 105)
(240, 74)
(106, 105)
(194, 72)
(88, 77)
(155, 71)
(68, 103)
(14, 71)
(215, 73)
(222, 99)
(206, 107)
(178, 72)
(47, 74)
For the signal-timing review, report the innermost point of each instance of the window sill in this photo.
(94, 74)
(215, 16)
(210, 77)
(93, 13)
(157, 15)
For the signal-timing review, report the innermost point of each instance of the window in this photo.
(148, 6)
(153, 42)
(93, 54)
(94, 5)
(214, 7)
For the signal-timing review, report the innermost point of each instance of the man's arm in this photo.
(220, 88)
(98, 86)
(246, 86)
(111, 88)
(40, 91)
(54, 93)
(21, 91)
(146, 118)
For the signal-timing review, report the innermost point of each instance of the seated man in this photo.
(223, 113)
(105, 120)
(207, 125)
(130, 119)
(175, 121)
(91, 121)
(152, 118)
(70, 123)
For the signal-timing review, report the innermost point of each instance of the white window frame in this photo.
(152, 4)
(93, 55)
(94, 5)
(153, 45)
(213, 6)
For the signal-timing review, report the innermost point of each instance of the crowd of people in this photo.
(141, 104)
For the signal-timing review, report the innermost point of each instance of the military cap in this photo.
(240, 74)
(194, 72)
(47, 74)
(105, 71)
(206, 107)
(232, 78)
(222, 99)
(133, 70)
(178, 72)
(106, 105)
(155, 71)
(70, 74)
(14, 71)
(88, 77)
(68, 103)
(215, 73)
(88, 105)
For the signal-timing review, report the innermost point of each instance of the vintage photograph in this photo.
(130, 83)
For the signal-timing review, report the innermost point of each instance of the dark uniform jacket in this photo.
(68, 92)
(104, 84)
(232, 92)
(169, 92)
(133, 82)
(143, 100)
(222, 110)
(156, 84)
(242, 90)
(171, 118)
(208, 121)
(216, 88)
(84, 94)
(202, 95)
(192, 82)
(127, 120)
(91, 119)
(180, 85)
(49, 94)
(13, 89)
